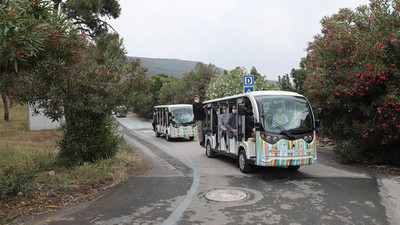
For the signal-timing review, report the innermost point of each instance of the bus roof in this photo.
(173, 106)
(257, 93)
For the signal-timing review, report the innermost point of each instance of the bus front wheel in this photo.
(191, 138)
(209, 152)
(244, 165)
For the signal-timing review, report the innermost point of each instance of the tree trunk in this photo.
(6, 108)
(10, 103)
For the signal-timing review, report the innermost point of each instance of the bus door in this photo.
(222, 138)
(158, 124)
(246, 132)
(162, 113)
(157, 120)
(241, 123)
(166, 120)
(218, 121)
(232, 146)
(160, 118)
(240, 127)
(222, 144)
(214, 125)
(208, 124)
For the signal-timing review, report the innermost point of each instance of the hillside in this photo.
(172, 67)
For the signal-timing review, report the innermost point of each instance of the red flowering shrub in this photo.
(23, 28)
(82, 81)
(46, 62)
(353, 70)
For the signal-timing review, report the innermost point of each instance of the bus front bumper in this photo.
(290, 160)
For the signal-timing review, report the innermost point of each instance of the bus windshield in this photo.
(182, 115)
(285, 114)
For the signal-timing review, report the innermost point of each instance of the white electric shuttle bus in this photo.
(274, 128)
(174, 121)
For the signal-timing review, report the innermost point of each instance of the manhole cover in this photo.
(226, 195)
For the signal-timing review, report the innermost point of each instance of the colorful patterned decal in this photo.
(243, 145)
(296, 152)
(182, 131)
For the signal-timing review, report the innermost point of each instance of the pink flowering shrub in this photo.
(353, 70)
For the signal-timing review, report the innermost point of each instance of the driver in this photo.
(279, 117)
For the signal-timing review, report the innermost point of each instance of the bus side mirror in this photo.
(258, 126)
(241, 110)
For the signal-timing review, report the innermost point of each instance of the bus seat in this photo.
(251, 139)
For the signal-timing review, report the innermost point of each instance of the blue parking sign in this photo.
(248, 89)
(248, 80)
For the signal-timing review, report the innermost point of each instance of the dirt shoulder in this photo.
(16, 210)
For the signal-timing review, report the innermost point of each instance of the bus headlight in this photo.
(271, 139)
(308, 138)
(176, 125)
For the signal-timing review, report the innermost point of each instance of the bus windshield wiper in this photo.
(282, 129)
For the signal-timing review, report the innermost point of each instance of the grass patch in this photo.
(33, 181)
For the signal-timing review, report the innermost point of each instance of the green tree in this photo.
(149, 97)
(284, 83)
(231, 83)
(193, 83)
(82, 81)
(50, 64)
(23, 29)
(171, 93)
(255, 73)
(87, 16)
(299, 76)
(353, 70)
(196, 82)
(157, 82)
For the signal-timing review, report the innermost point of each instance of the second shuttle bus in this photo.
(174, 121)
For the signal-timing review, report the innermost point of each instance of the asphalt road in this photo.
(174, 190)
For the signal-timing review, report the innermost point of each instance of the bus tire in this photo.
(293, 168)
(156, 133)
(244, 165)
(209, 152)
(191, 138)
(167, 137)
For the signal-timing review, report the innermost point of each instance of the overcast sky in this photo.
(269, 34)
